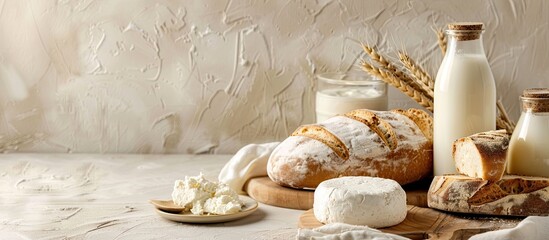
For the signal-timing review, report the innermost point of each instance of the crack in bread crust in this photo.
(422, 119)
(321, 134)
(379, 126)
(502, 188)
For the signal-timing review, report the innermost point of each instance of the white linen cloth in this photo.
(249, 162)
(342, 231)
(530, 228)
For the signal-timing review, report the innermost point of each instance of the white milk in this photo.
(334, 101)
(465, 103)
(528, 152)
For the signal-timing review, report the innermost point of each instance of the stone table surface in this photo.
(85, 196)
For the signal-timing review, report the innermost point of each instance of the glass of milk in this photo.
(338, 93)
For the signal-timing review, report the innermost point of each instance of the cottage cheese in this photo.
(201, 196)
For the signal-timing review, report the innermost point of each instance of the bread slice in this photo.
(482, 155)
(422, 119)
(320, 134)
(379, 126)
(511, 195)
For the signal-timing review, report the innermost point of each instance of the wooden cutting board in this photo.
(264, 190)
(423, 223)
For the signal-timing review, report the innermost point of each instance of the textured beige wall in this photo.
(210, 76)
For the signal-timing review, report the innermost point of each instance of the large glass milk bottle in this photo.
(465, 93)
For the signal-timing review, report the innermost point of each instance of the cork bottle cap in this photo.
(536, 93)
(465, 31)
(471, 26)
(536, 99)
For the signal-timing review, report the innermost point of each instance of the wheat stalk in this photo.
(382, 61)
(396, 82)
(423, 79)
(442, 42)
(503, 121)
(394, 71)
(374, 55)
(500, 124)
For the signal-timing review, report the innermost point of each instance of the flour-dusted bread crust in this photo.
(302, 161)
(482, 155)
(322, 135)
(511, 195)
(422, 119)
(382, 128)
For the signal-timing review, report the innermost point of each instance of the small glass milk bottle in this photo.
(528, 152)
(465, 93)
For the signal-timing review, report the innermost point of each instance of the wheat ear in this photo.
(503, 121)
(382, 61)
(500, 124)
(394, 71)
(403, 86)
(423, 79)
(442, 42)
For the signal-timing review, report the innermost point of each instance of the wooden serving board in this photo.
(426, 223)
(264, 190)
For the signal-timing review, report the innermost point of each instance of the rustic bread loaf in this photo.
(511, 195)
(482, 155)
(386, 144)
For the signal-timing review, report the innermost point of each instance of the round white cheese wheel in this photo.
(375, 202)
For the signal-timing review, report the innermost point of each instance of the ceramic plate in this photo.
(248, 208)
